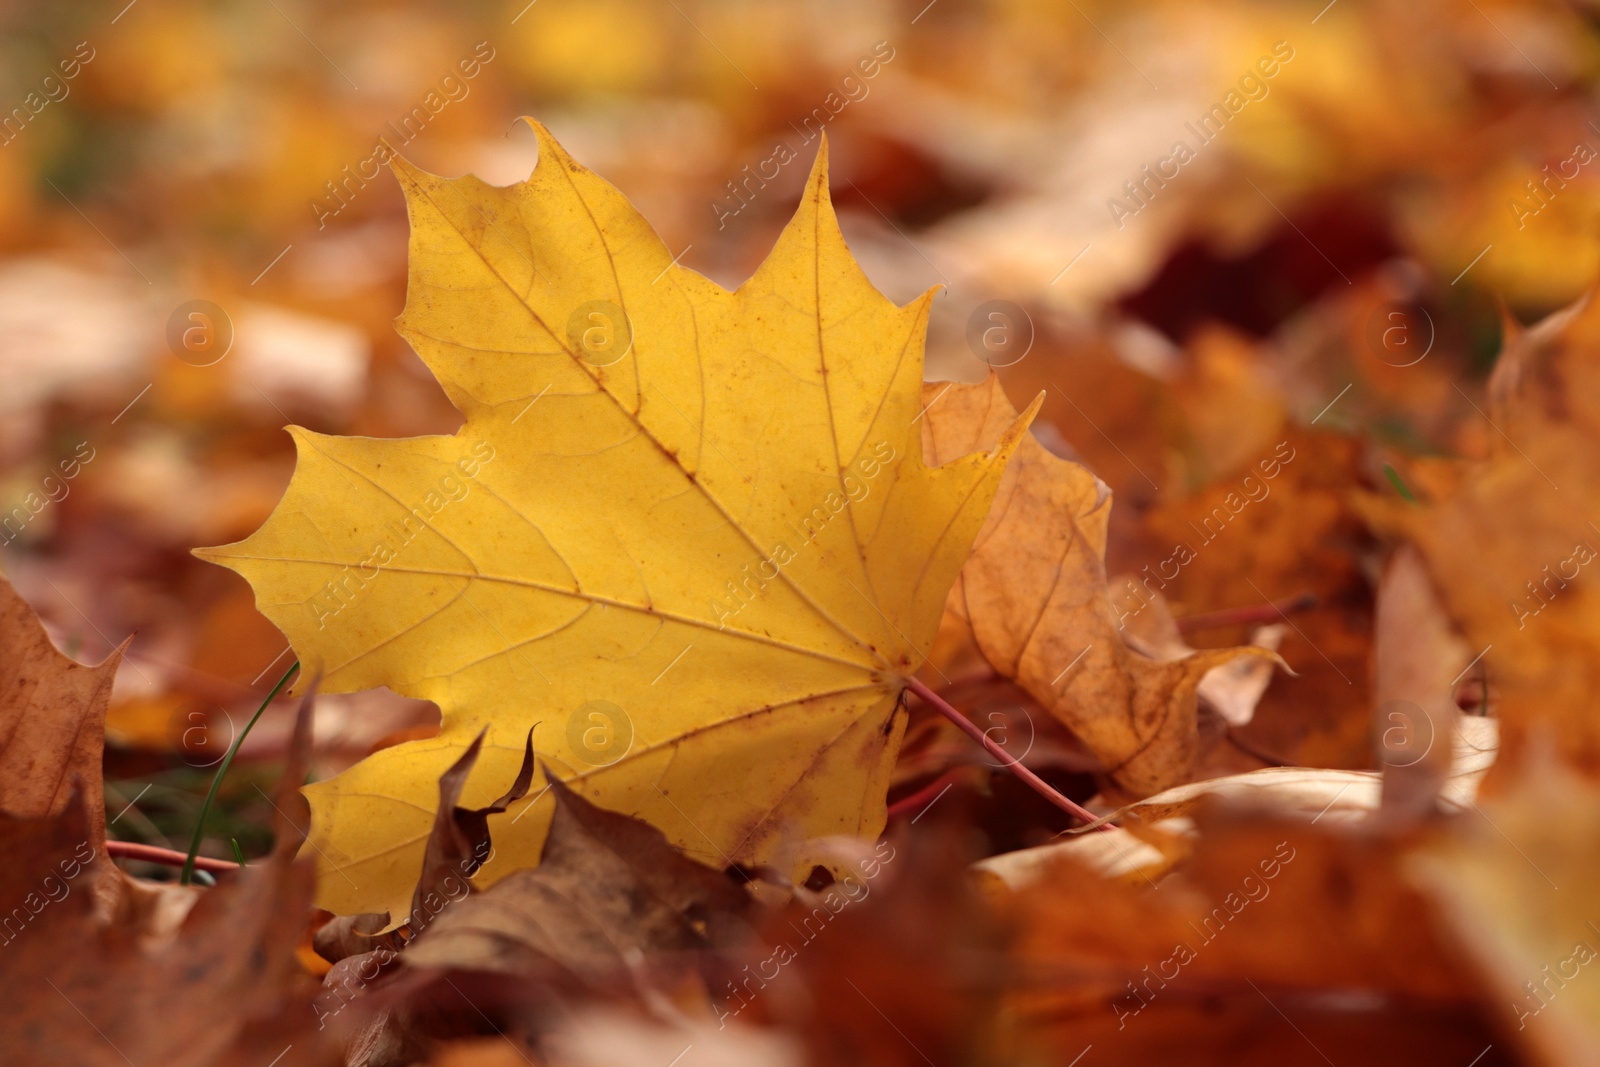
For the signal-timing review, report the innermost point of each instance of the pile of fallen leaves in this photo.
(717, 597)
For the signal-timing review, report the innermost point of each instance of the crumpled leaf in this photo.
(1233, 689)
(607, 888)
(457, 847)
(1034, 593)
(1512, 547)
(690, 530)
(1313, 793)
(460, 842)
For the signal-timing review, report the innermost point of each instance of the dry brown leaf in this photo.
(1034, 593)
(1284, 904)
(607, 887)
(1231, 690)
(1281, 531)
(220, 988)
(52, 721)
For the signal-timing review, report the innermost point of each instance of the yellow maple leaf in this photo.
(686, 531)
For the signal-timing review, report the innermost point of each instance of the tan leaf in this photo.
(52, 720)
(1234, 688)
(1419, 658)
(1034, 592)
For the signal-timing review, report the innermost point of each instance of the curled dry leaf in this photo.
(608, 888)
(612, 903)
(1232, 689)
(457, 847)
(1316, 794)
(700, 519)
(1034, 593)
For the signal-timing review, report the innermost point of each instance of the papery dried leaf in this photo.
(1034, 592)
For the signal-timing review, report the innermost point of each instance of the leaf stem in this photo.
(133, 850)
(216, 783)
(1039, 785)
(927, 794)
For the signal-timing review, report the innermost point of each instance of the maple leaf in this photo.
(611, 902)
(1034, 593)
(687, 531)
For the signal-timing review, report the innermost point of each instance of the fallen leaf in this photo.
(52, 720)
(612, 905)
(607, 890)
(658, 481)
(1511, 549)
(1034, 593)
(1306, 792)
(1278, 902)
(1282, 530)
(1231, 690)
(220, 987)
(1419, 658)
(1518, 887)
(895, 963)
